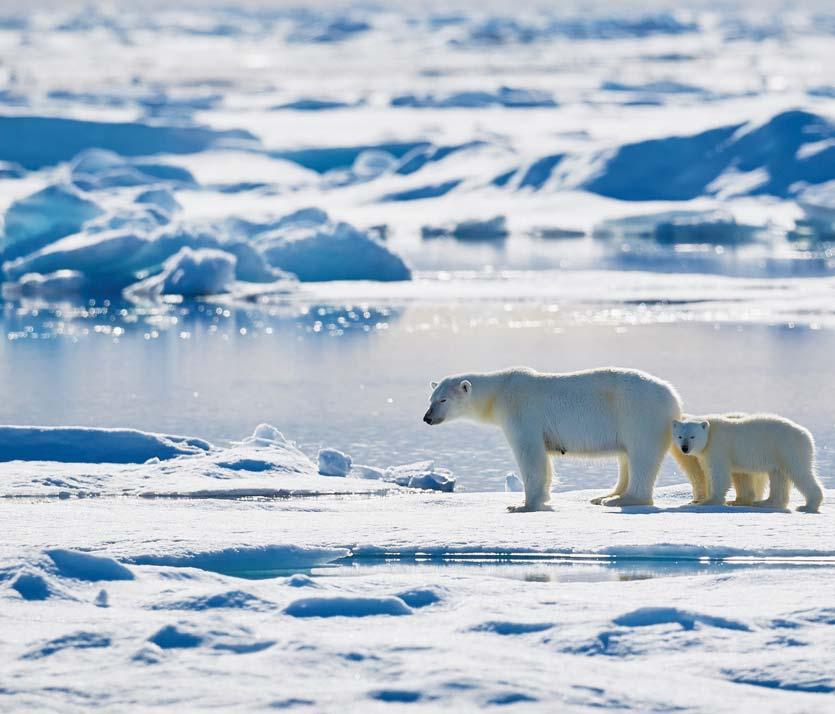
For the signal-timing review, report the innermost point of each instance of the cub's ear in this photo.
(433, 384)
(676, 423)
(466, 386)
(705, 424)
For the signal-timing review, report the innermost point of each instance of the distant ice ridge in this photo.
(115, 225)
(470, 230)
(88, 461)
(778, 157)
(714, 227)
(310, 245)
(92, 445)
(502, 97)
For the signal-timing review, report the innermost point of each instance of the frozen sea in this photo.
(234, 234)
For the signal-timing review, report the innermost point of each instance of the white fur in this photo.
(728, 445)
(619, 413)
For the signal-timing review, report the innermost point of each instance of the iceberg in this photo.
(41, 218)
(316, 252)
(191, 273)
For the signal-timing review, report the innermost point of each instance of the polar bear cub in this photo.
(758, 443)
(620, 413)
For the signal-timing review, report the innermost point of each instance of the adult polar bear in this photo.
(600, 412)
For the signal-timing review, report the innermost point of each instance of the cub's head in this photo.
(690, 435)
(449, 400)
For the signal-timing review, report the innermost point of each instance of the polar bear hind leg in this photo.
(643, 470)
(806, 482)
(623, 480)
(779, 489)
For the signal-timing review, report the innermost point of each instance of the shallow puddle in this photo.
(539, 569)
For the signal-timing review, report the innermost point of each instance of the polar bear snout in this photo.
(685, 447)
(431, 420)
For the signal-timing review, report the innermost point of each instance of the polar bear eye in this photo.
(442, 401)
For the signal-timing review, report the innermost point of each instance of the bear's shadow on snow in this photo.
(694, 508)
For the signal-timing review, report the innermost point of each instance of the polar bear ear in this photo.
(433, 384)
(705, 424)
(466, 386)
(676, 423)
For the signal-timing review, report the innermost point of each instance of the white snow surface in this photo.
(98, 615)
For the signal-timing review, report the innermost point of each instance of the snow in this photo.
(721, 645)
(347, 607)
(84, 566)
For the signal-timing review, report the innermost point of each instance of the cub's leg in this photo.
(623, 480)
(718, 473)
(535, 471)
(779, 489)
(693, 470)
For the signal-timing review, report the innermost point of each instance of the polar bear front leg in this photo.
(623, 480)
(535, 470)
(746, 489)
(693, 470)
(718, 476)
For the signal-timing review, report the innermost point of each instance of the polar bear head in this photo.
(451, 399)
(690, 435)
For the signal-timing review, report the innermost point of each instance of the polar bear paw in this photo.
(525, 508)
(625, 500)
(597, 501)
(806, 508)
(768, 503)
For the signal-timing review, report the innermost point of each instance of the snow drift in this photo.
(92, 445)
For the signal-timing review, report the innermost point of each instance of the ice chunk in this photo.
(37, 220)
(715, 227)
(109, 256)
(333, 463)
(160, 197)
(373, 163)
(367, 472)
(504, 97)
(347, 607)
(90, 445)
(268, 433)
(191, 273)
(85, 566)
(96, 169)
(422, 475)
(471, 230)
(513, 484)
(47, 287)
(332, 251)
